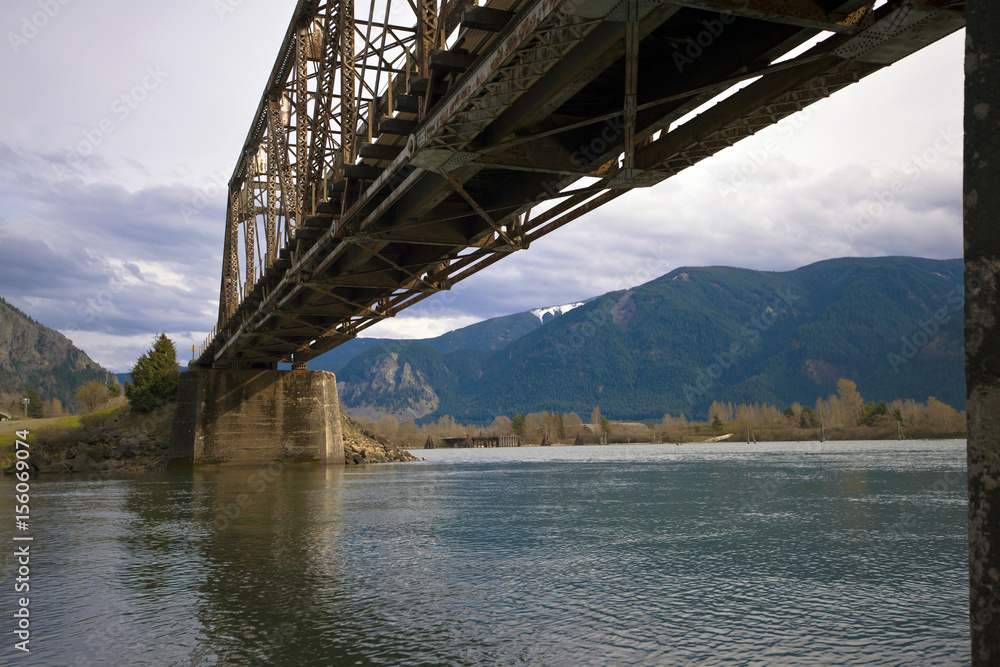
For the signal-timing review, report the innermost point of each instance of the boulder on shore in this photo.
(361, 446)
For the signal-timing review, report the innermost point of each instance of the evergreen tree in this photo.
(154, 377)
(871, 411)
(517, 424)
(808, 417)
(35, 410)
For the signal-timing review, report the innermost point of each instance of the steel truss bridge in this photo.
(400, 147)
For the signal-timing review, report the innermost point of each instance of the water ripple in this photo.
(775, 554)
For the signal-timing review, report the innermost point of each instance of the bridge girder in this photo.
(567, 89)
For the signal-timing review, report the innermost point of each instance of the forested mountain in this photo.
(31, 354)
(892, 325)
(491, 334)
(403, 378)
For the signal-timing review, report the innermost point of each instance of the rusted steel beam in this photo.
(380, 151)
(427, 28)
(600, 49)
(229, 296)
(248, 250)
(775, 97)
(485, 18)
(631, 81)
(279, 154)
(450, 61)
(271, 215)
(303, 43)
(437, 237)
(653, 104)
(714, 121)
(517, 60)
(348, 82)
(406, 103)
(803, 13)
(397, 126)
(544, 156)
(327, 42)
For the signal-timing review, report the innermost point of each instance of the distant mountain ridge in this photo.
(394, 386)
(491, 334)
(32, 354)
(675, 344)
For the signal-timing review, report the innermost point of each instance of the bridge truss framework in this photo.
(401, 147)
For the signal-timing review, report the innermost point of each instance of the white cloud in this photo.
(163, 274)
(119, 353)
(411, 327)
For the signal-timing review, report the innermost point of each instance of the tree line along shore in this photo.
(120, 438)
(841, 416)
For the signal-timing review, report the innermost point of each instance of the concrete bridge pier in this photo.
(256, 417)
(982, 323)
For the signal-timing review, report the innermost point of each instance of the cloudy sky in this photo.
(121, 122)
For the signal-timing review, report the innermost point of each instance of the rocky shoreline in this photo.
(140, 443)
(361, 446)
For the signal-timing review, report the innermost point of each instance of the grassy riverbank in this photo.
(113, 439)
(118, 439)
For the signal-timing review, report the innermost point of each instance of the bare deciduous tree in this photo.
(92, 395)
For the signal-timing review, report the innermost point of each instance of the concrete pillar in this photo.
(256, 417)
(982, 322)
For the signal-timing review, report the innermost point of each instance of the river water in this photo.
(714, 554)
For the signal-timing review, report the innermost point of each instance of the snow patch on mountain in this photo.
(540, 313)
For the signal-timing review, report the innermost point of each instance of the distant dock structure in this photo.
(477, 441)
